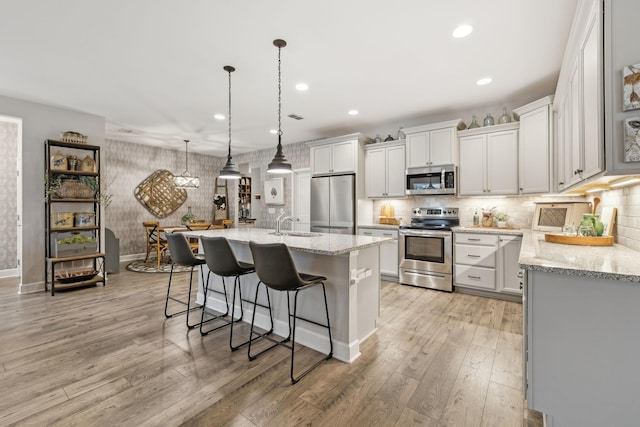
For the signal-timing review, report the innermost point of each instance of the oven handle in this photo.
(426, 233)
(414, 273)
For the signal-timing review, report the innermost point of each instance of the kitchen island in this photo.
(351, 264)
(581, 322)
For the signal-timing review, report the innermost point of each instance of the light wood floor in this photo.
(107, 356)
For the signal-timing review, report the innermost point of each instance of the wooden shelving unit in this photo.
(88, 255)
(244, 196)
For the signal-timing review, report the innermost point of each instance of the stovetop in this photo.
(433, 219)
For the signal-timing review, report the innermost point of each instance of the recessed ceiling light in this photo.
(273, 131)
(353, 112)
(302, 87)
(484, 81)
(219, 117)
(462, 31)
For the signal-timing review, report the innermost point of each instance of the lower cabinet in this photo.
(487, 264)
(388, 251)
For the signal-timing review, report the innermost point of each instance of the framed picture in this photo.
(632, 139)
(273, 192)
(631, 87)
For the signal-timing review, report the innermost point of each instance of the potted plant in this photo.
(501, 219)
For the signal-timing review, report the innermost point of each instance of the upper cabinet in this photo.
(489, 161)
(534, 144)
(433, 144)
(385, 170)
(578, 106)
(336, 156)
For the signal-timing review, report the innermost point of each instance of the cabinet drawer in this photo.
(378, 232)
(476, 239)
(477, 277)
(484, 256)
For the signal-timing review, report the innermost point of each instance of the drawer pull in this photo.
(473, 277)
(473, 240)
(388, 234)
(368, 233)
(473, 256)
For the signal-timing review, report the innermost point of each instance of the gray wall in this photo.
(41, 122)
(8, 194)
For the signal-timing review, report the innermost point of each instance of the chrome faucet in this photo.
(282, 218)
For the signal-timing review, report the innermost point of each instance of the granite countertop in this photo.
(380, 226)
(318, 243)
(604, 262)
(487, 230)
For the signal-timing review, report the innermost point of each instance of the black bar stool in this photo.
(276, 270)
(181, 254)
(222, 261)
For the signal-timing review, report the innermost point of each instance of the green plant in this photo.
(52, 186)
(501, 216)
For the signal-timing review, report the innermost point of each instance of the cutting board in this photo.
(608, 217)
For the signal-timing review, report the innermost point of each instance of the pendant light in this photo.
(185, 180)
(279, 163)
(229, 171)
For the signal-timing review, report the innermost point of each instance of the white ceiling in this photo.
(155, 66)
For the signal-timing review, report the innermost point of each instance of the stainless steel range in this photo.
(426, 248)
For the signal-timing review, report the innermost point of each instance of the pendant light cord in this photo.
(279, 97)
(229, 71)
(186, 156)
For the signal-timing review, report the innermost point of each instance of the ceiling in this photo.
(154, 68)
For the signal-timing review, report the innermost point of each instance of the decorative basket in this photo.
(73, 137)
(73, 189)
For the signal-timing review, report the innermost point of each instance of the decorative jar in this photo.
(488, 120)
(594, 221)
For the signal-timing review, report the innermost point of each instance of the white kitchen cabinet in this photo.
(385, 170)
(487, 264)
(534, 144)
(579, 101)
(388, 250)
(339, 157)
(489, 161)
(432, 145)
(509, 276)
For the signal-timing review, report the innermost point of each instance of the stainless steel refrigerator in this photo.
(333, 204)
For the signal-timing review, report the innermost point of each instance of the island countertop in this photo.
(605, 262)
(317, 243)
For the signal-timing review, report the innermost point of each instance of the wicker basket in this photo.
(73, 189)
(73, 137)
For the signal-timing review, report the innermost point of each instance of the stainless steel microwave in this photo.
(431, 180)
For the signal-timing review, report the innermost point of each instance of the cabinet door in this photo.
(389, 254)
(418, 149)
(395, 171)
(576, 126)
(592, 100)
(321, 159)
(343, 157)
(376, 166)
(509, 280)
(472, 165)
(502, 162)
(442, 143)
(533, 164)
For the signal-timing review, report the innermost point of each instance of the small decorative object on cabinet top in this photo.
(474, 123)
(401, 134)
(388, 138)
(73, 137)
(488, 120)
(378, 138)
(505, 117)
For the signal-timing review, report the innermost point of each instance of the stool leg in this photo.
(219, 317)
(166, 302)
(263, 335)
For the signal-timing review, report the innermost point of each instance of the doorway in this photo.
(301, 199)
(11, 194)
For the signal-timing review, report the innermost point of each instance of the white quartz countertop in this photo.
(380, 226)
(318, 243)
(488, 230)
(605, 262)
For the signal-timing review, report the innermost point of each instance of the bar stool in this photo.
(222, 261)
(181, 254)
(276, 270)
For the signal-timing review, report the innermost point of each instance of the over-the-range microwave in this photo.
(554, 216)
(431, 180)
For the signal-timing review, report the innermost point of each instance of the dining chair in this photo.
(154, 240)
(193, 241)
(277, 271)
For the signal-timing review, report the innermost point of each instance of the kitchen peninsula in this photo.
(581, 332)
(351, 264)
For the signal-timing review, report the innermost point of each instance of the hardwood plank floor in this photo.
(107, 356)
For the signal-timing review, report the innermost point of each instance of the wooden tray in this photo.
(579, 240)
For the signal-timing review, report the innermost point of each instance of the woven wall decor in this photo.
(158, 194)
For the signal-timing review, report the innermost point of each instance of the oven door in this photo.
(426, 250)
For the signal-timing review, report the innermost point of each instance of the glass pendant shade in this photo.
(229, 171)
(186, 181)
(279, 163)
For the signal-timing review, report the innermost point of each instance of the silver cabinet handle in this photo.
(473, 240)
(473, 256)
(473, 277)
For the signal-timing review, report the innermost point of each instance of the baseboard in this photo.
(132, 257)
(28, 288)
(11, 272)
(489, 294)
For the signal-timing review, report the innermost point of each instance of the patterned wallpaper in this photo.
(8, 194)
(125, 165)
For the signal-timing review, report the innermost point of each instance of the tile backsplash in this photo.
(627, 201)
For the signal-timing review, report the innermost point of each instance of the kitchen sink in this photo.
(296, 233)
